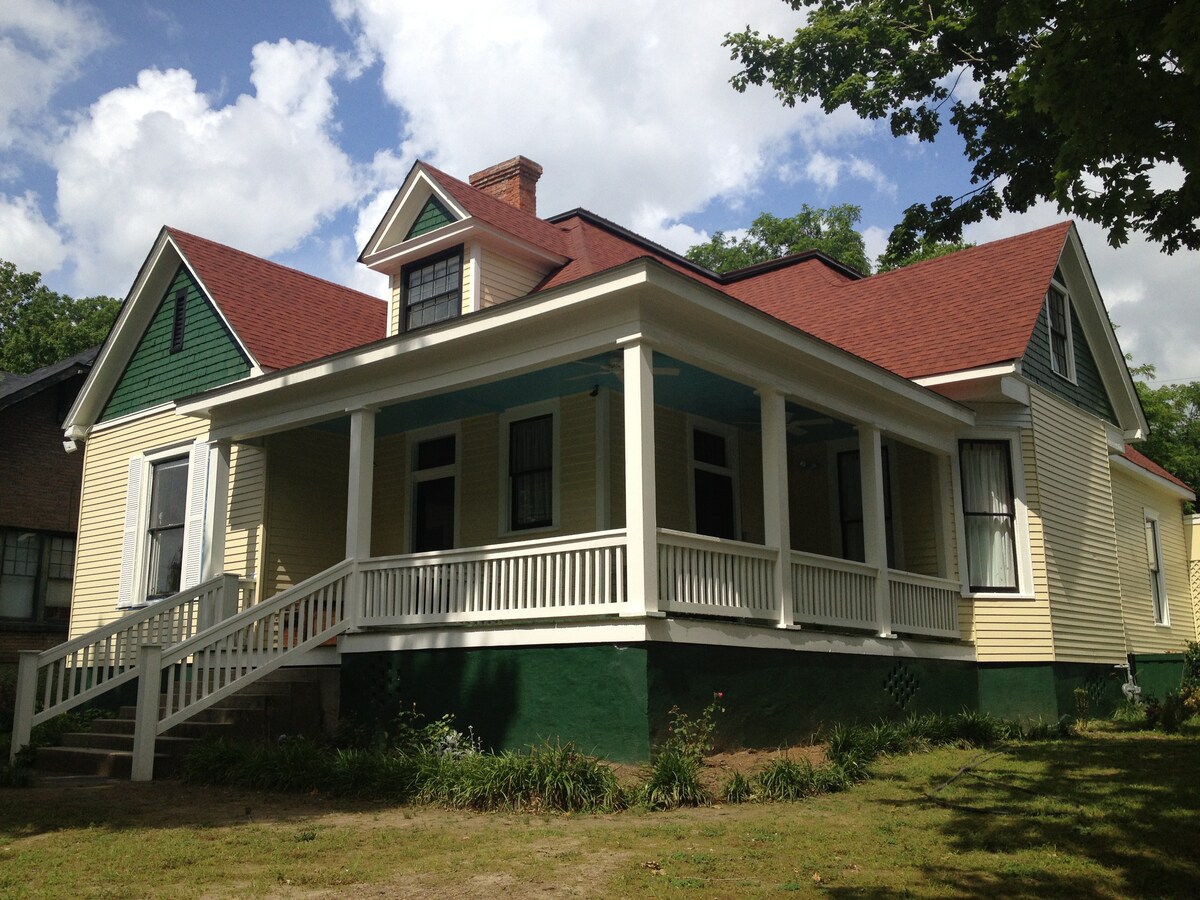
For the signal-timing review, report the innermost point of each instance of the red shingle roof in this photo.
(1142, 461)
(969, 309)
(283, 316)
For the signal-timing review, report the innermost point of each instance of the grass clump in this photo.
(673, 779)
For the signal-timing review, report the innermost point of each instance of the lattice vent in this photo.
(901, 685)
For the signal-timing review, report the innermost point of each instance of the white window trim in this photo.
(134, 555)
(517, 414)
(414, 476)
(733, 470)
(1057, 285)
(1151, 515)
(1025, 584)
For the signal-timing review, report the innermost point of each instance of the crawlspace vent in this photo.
(901, 685)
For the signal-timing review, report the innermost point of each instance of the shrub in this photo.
(673, 780)
(737, 789)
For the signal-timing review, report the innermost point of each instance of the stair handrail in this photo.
(94, 663)
(236, 652)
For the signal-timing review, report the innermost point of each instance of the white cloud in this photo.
(260, 173)
(26, 238)
(620, 102)
(826, 172)
(42, 44)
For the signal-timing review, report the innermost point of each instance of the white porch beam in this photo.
(776, 521)
(870, 458)
(218, 511)
(641, 514)
(361, 485)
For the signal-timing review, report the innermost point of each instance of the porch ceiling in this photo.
(677, 385)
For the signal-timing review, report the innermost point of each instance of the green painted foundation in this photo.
(615, 701)
(1158, 673)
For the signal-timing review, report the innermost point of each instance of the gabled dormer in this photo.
(451, 248)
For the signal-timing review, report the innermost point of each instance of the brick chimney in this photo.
(514, 182)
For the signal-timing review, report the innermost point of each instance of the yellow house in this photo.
(564, 479)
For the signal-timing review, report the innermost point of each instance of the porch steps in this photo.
(287, 701)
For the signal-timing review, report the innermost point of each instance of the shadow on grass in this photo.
(1127, 803)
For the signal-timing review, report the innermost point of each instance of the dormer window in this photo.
(1058, 317)
(432, 289)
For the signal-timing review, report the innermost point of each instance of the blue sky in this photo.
(284, 129)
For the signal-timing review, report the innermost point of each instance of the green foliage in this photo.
(1173, 413)
(832, 231)
(693, 738)
(673, 780)
(926, 249)
(39, 327)
(1073, 103)
(1191, 665)
(1083, 705)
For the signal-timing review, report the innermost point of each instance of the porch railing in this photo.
(550, 578)
(924, 605)
(835, 592)
(88, 666)
(232, 654)
(715, 577)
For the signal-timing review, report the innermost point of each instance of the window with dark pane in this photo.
(531, 472)
(179, 320)
(19, 560)
(989, 515)
(432, 290)
(1058, 315)
(168, 506)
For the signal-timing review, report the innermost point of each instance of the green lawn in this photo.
(1107, 814)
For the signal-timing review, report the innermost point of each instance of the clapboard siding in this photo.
(154, 375)
(389, 502)
(505, 279)
(1087, 392)
(247, 503)
(1082, 576)
(102, 508)
(1133, 496)
(916, 507)
(1019, 630)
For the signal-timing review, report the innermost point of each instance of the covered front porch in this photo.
(637, 470)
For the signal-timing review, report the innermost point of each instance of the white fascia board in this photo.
(416, 178)
(450, 333)
(1158, 481)
(391, 260)
(656, 630)
(122, 338)
(979, 374)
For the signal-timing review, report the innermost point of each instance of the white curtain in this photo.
(988, 508)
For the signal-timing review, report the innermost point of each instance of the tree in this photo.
(39, 327)
(832, 231)
(1173, 411)
(1077, 102)
(926, 249)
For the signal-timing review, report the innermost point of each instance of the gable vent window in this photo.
(433, 289)
(179, 321)
(1058, 315)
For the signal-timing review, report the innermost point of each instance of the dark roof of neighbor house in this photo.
(15, 388)
(1142, 461)
(283, 316)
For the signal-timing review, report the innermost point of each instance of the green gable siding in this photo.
(210, 356)
(434, 215)
(1088, 390)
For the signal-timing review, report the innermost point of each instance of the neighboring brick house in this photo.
(39, 504)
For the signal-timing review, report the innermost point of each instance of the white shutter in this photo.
(129, 540)
(193, 532)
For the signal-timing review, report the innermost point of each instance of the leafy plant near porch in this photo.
(673, 779)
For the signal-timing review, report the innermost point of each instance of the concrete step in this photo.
(249, 727)
(171, 745)
(97, 761)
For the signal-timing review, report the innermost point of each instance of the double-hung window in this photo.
(1158, 587)
(989, 515)
(1058, 317)
(432, 289)
(164, 536)
(531, 472)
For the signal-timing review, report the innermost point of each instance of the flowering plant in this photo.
(693, 738)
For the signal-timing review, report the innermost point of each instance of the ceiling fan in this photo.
(614, 366)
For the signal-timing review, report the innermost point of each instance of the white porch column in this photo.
(870, 457)
(216, 523)
(776, 514)
(362, 484)
(641, 514)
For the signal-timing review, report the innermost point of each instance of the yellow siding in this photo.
(479, 492)
(247, 498)
(577, 461)
(1019, 630)
(809, 498)
(102, 509)
(1080, 534)
(671, 469)
(1133, 496)
(750, 486)
(504, 279)
(918, 506)
(306, 506)
(394, 317)
(468, 272)
(389, 507)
